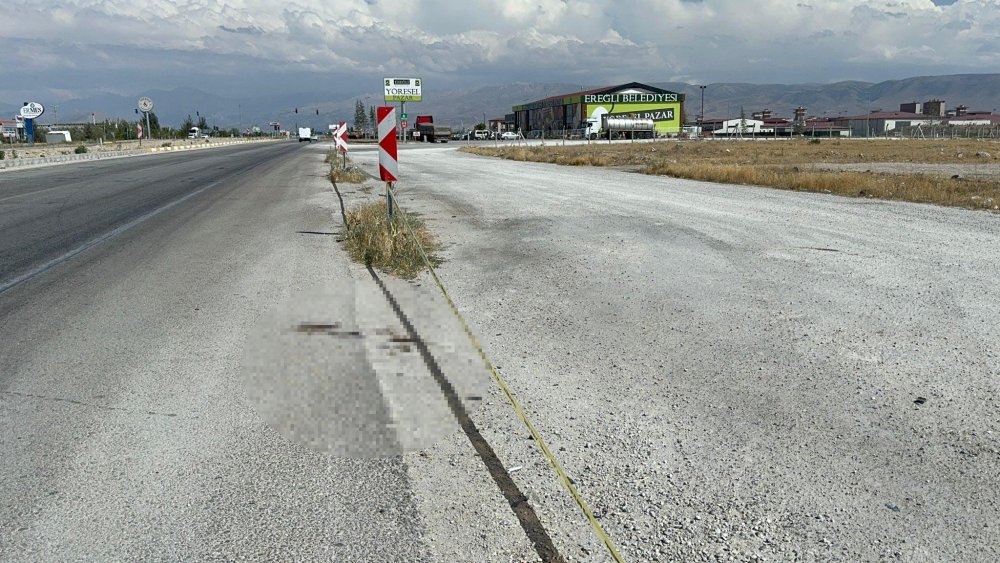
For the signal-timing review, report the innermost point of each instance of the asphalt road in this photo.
(728, 372)
(49, 212)
(132, 428)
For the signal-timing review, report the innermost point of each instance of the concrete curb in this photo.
(8, 164)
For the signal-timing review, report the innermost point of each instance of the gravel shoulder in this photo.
(731, 373)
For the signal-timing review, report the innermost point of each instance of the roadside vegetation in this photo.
(796, 165)
(371, 239)
(341, 175)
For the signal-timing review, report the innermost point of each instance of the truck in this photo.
(305, 134)
(607, 126)
(427, 130)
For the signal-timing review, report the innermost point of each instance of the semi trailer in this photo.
(429, 132)
(606, 126)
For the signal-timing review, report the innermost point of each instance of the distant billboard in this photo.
(402, 89)
(32, 110)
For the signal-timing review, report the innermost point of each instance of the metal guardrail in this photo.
(19, 162)
(8, 163)
(556, 134)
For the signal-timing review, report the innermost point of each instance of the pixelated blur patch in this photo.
(333, 369)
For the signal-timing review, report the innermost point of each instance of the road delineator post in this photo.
(388, 162)
(339, 137)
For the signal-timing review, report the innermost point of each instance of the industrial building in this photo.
(566, 113)
(11, 130)
(909, 120)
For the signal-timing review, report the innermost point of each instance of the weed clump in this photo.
(343, 171)
(372, 240)
(352, 175)
(80, 149)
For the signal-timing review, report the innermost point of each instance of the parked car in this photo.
(509, 136)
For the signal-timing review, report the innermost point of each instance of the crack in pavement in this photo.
(86, 404)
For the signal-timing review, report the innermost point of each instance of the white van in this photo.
(194, 133)
(482, 134)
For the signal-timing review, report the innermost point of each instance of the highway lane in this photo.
(130, 427)
(47, 212)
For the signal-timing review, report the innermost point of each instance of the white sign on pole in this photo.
(402, 89)
(32, 110)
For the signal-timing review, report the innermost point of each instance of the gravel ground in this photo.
(729, 373)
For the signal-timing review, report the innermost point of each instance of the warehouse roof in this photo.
(577, 97)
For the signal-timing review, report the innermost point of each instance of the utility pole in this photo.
(402, 131)
(701, 116)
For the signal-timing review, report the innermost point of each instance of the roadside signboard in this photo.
(32, 110)
(145, 104)
(388, 165)
(402, 90)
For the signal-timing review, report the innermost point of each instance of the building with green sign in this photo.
(569, 112)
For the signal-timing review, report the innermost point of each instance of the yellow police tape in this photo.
(556, 466)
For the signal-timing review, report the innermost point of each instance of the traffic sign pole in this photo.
(30, 111)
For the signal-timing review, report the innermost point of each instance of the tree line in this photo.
(364, 119)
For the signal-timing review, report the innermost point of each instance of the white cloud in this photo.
(251, 42)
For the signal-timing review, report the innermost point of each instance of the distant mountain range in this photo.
(466, 107)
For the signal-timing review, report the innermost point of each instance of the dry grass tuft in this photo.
(373, 241)
(787, 164)
(341, 175)
(920, 188)
(784, 152)
(350, 176)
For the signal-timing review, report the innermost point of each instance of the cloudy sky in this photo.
(61, 49)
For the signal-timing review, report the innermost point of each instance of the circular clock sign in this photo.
(145, 104)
